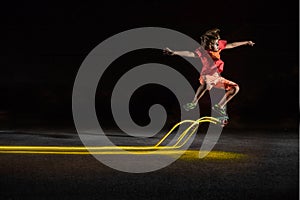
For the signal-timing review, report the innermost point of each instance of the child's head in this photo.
(210, 39)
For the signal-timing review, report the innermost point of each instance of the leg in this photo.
(231, 90)
(200, 92)
(229, 95)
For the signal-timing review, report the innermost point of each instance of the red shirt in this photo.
(211, 60)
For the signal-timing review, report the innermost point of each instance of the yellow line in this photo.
(98, 152)
(112, 149)
(184, 155)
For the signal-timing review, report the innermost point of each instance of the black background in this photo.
(44, 43)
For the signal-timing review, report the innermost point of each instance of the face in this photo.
(214, 45)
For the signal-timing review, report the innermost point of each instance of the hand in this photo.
(168, 51)
(250, 43)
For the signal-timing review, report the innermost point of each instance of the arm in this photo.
(236, 44)
(179, 53)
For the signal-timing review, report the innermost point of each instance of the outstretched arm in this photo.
(179, 53)
(237, 44)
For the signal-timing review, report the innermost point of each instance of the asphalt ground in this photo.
(243, 165)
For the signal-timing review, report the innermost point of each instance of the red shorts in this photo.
(216, 81)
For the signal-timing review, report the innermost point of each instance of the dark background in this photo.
(44, 43)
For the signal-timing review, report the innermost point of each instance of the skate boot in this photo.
(221, 115)
(189, 106)
(219, 110)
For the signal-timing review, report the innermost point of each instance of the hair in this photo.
(208, 38)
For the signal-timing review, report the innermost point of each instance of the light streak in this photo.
(186, 155)
(135, 150)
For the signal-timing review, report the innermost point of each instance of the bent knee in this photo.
(236, 89)
(204, 85)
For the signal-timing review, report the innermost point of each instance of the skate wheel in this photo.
(225, 121)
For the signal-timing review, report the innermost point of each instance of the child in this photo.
(210, 76)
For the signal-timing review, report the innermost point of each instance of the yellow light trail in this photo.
(185, 154)
(119, 150)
